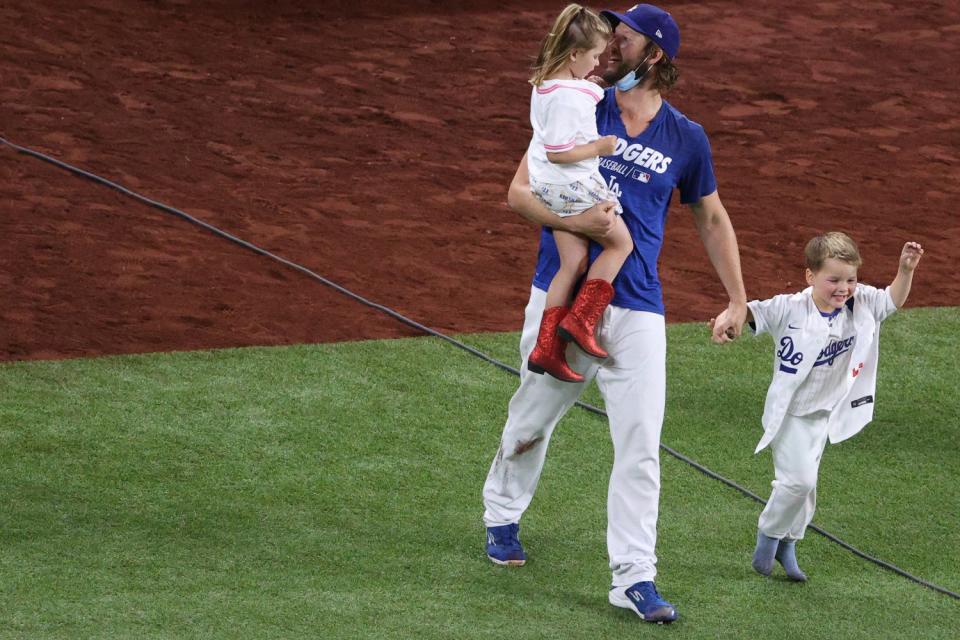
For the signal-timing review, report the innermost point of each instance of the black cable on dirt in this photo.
(252, 247)
(416, 325)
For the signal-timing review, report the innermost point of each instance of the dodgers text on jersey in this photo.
(629, 160)
(787, 354)
(833, 350)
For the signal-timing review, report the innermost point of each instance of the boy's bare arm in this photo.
(604, 146)
(909, 258)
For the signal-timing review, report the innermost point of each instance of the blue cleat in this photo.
(787, 557)
(764, 553)
(643, 599)
(503, 545)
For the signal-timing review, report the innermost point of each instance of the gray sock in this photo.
(764, 553)
(787, 556)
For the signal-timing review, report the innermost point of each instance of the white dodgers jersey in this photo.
(824, 386)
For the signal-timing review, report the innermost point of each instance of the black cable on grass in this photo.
(416, 325)
(826, 534)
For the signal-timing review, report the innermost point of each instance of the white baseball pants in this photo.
(797, 449)
(633, 384)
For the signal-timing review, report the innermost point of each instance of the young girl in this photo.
(564, 173)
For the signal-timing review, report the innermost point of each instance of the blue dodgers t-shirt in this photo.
(672, 152)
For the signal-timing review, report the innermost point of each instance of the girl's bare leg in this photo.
(573, 263)
(617, 245)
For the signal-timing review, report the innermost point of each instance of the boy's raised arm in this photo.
(909, 258)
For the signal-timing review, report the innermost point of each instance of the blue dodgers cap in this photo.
(651, 21)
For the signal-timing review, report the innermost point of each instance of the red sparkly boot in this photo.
(549, 356)
(580, 325)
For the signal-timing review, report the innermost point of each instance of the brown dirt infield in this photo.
(375, 145)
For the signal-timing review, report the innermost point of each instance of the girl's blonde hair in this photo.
(575, 28)
(836, 245)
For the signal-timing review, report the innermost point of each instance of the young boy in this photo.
(824, 380)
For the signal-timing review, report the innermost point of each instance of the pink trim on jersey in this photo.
(596, 98)
(559, 147)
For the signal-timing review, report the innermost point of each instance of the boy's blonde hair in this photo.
(836, 245)
(575, 28)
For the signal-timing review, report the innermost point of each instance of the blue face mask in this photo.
(635, 77)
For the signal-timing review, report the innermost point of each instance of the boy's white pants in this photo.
(797, 449)
(633, 384)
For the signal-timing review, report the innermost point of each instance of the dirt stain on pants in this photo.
(525, 445)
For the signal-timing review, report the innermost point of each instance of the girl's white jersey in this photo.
(563, 115)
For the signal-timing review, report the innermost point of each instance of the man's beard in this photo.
(610, 76)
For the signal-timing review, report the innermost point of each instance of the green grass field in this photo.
(333, 491)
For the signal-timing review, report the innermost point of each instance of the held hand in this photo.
(727, 326)
(606, 145)
(596, 222)
(910, 257)
(726, 336)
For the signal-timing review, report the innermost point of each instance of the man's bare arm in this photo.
(595, 222)
(720, 241)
